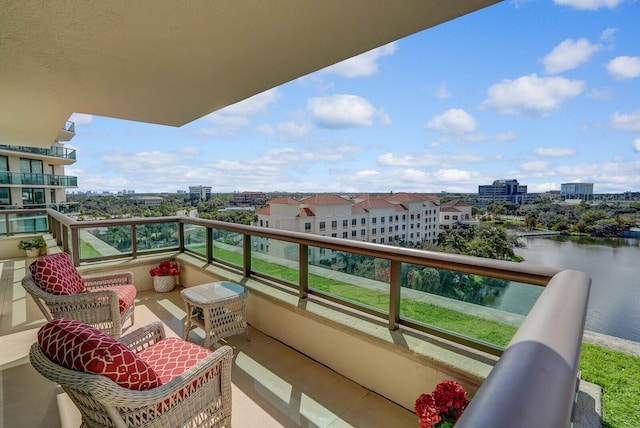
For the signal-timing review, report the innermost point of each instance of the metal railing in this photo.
(536, 376)
(58, 152)
(32, 179)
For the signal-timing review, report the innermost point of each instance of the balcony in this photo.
(54, 151)
(30, 179)
(354, 354)
(67, 132)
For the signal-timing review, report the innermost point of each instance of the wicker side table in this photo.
(222, 310)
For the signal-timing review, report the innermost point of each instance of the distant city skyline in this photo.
(545, 92)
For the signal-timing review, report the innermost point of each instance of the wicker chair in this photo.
(100, 307)
(199, 397)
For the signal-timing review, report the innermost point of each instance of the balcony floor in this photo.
(273, 385)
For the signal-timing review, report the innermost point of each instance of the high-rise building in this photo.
(505, 191)
(33, 177)
(202, 193)
(582, 191)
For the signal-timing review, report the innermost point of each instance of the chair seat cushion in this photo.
(81, 347)
(126, 294)
(56, 274)
(171, 357)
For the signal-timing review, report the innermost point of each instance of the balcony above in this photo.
(67, 132)
(127, 60)
(66, 156)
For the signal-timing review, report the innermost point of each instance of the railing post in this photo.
(246, 255)
(181, 236)
(75, 245)
(209, 246)
(134, 241)
(395, 280)
(303, 270)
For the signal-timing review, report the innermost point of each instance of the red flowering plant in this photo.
(165, 268)
(443, 407)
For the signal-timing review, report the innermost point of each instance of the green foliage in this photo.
(31, 244)
(619, 376)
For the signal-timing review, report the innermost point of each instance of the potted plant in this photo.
(164, 276)
(32, 247)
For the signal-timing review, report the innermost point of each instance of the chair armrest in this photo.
(144, 337)
(98, 281)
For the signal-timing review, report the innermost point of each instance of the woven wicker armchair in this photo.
(99, 308)
(199, 397)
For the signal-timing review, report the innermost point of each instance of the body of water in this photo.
(614, 267)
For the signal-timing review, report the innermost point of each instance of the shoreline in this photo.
(613, 343)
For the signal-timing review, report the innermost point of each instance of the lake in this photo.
(614, 267)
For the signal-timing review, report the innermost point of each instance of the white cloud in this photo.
(624, 67)
(555, 151)
(589, 4)
(293, 130)
(626, 122)
(453, 121)
(443, 92)
(231, 119)
(265, 129)
(568, 55)
(532, 95)
(534, 166)
(636, 144)
(505, 136)
(341, 111)
(429, 159)
(363, 65)
(81, 118)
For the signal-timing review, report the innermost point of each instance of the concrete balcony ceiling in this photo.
(170, 62)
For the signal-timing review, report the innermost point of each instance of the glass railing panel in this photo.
(227, 247)
(106, 241)
(360, 279)
(276, 259)
(157, 236)
(28, 223)
(478, 307)
(195, 238)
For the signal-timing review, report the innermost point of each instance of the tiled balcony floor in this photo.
(273, 385)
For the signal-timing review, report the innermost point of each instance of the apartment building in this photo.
(33, 177)
(408, 217)
(248, 198)
(505, 191)
(200, 193)
(456, 212)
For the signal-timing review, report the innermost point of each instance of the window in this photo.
(397, 227)
(411, 217)
(363, 232)
(382, 219)
(382, 240)
(373, 240)
(373, 231)
(307, 227)
(396, 218)
(5, 196)
(353, 233)
(418, 216)
(404, 217)
(334, 235)
(345, 223)
(374, 220)
(261, 224)
(322, 225)
(334, 224)
(455, 217)
(354, 222)
(446, 217)
(267, 225)
(344, 235)
(32, 196)
(390, 228)
(363, 221)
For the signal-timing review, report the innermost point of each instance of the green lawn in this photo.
(617, 373)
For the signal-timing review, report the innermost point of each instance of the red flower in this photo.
(165, 268)
(443, 407)
(427, 412)
(450, 396)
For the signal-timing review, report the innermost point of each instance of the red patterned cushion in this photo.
(78, 346)
(171, 357)
(126, 294)
(55, 273)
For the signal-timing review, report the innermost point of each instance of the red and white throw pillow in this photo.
(81, 347)
(55, 273)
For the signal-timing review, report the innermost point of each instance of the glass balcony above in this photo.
(57, 152)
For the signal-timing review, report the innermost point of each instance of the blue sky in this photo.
(545, 92)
